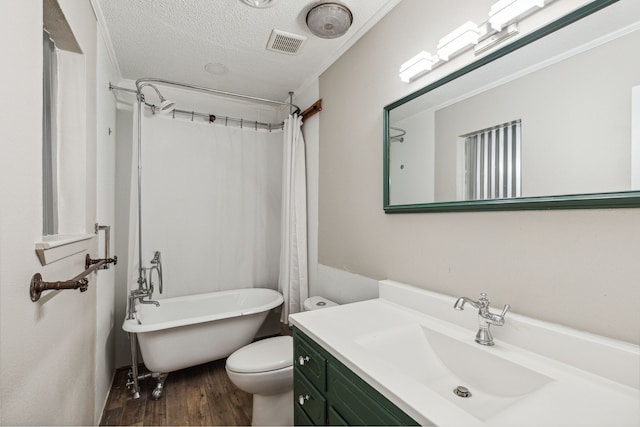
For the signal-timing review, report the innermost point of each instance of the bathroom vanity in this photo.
(329, 393)
(409, 358)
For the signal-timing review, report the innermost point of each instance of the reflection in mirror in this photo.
(490, 159)
(552, 118)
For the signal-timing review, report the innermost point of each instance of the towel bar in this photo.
(80, 281)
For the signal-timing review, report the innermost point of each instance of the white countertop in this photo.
(575, 397)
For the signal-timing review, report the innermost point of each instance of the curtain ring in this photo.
(192, 115)
(212, 118)
(240, 123)
(256, 125)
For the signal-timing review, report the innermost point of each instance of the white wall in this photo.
(635, 138)
(337, 285)
(47, 357)
(123, 222)
(577, 268)
(106, 321)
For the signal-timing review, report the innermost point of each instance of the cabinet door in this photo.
(309, 400)
(334, 418)
(300, 418)
(358, 403)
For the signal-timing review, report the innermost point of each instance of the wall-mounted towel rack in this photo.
(314, 109)
(80, 281)
(104, 266)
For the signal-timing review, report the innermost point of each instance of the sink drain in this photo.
(462, 391)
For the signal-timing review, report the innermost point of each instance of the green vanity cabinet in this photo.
(328, 393)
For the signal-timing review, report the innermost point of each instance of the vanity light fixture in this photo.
(461, 38)
(492, 37)
(506, 11)
(502, 24)
(417, 66)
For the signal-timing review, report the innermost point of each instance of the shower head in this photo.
(166, 106)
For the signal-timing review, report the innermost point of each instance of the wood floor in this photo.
(201, 395)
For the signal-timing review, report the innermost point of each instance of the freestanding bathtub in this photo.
(190, 330)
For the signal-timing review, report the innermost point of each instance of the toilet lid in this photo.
(262, 356)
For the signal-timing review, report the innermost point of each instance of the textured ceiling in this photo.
(175, 39)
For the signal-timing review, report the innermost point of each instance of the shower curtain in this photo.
(293, 280)
(211, 199)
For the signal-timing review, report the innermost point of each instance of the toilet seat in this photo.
(266, 355)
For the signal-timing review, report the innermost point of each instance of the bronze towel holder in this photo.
(80, 281)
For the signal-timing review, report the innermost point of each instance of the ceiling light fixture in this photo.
(260, 4)
(416, 66)
(329, 20)
(216, 68)
(461, 38)
(506, 11)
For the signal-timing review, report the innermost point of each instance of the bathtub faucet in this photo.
(139, 294)
(145, 288)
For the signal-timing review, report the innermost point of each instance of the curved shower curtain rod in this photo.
(148, 81)
(168, 106)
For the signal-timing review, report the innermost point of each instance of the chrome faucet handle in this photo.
(504, 310)
(157, 265)
(495, 319)
(156, 257)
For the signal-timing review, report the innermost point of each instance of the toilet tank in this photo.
(316, 303)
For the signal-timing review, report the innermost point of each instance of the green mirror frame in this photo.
(622, 199)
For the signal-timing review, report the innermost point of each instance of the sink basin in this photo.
(442, 363)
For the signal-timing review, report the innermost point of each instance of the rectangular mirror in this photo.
(550, 121)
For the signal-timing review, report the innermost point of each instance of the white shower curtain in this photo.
(293, 280)
(211, 204)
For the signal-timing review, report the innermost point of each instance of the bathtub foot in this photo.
(160, 378)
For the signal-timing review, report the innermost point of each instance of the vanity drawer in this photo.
(308, 401)
(310, 362)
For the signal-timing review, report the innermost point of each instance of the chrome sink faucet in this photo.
(485, 317)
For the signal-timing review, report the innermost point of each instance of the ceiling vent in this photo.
(283, 42)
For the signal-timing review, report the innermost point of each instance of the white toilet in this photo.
(265, 369)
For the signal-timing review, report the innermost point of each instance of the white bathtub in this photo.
(190, 330)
